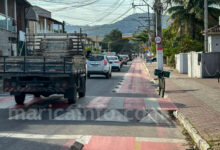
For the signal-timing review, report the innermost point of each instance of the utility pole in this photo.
(149, 23)
(206, 24)
(158, 11)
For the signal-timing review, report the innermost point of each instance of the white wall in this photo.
(194, 66)
(182, 63)
(177, 60)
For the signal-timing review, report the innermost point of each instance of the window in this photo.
(11, 8)
(96, 58)
(2, 6)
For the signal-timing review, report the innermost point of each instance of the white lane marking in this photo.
(160, 140)
(84, 139)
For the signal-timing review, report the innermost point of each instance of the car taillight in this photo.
(105, 62)
(7, 84)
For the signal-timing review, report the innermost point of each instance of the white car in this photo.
(115, 62)
(99, 64)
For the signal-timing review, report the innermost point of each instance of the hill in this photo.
(127, 25)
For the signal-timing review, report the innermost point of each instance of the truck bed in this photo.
(34, 65)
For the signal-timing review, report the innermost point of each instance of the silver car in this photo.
(115, 62)
(99, 65)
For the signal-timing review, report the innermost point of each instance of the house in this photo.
(12, 23)
(45, 23)
(214, 39)
(97, 42)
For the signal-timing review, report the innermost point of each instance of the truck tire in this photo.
(72, 95)
(82, 89)
(36, 95)
(19, 99)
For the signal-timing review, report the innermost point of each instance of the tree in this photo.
(115, 43)
(191, 14)
(141, 37)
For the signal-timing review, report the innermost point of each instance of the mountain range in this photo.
(126, 25)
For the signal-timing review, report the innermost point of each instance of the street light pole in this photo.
(159, 47)
(206, 24)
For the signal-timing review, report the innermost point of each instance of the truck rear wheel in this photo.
(72, 95)
(19, 99)
(82, 89)
(37, 95)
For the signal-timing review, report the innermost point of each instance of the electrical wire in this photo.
(127, 11)
(104, 17)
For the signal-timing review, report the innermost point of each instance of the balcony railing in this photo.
(3, 23)
(11, 26)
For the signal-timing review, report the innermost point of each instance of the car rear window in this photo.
(112, 58)
(96, 58)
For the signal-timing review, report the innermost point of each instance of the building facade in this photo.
(12, 21)
(45, 23)
(214, 39)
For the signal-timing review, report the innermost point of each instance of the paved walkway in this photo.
(197, 99)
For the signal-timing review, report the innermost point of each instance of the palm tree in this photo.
(191, 13)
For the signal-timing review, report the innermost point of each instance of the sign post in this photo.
(158, 41)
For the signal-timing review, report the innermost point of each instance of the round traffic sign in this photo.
(158, 40)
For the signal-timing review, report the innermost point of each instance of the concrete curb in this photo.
(200, 142)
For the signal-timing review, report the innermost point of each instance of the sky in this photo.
(91, 12)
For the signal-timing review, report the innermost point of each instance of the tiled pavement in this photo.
(197, 99)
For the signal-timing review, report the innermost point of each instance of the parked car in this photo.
(120, 59)
(150, 60)
(115, 62)
(125, 59)
(154, 59)
(99, 64)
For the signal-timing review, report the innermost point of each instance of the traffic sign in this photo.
(158, 40)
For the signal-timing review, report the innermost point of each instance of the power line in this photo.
(76, 6)
(104, 17)
(127, 11)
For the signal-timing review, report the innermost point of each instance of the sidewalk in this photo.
(198, 100)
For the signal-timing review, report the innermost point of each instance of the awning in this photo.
(30, 14)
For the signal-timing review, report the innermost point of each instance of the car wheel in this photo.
(107, 75)
(88, 75)
(37, 95)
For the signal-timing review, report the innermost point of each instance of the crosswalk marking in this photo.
(116, 103)
(114, 116)
(73, 114)
(151, 103)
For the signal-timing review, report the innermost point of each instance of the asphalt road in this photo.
(130, 118)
